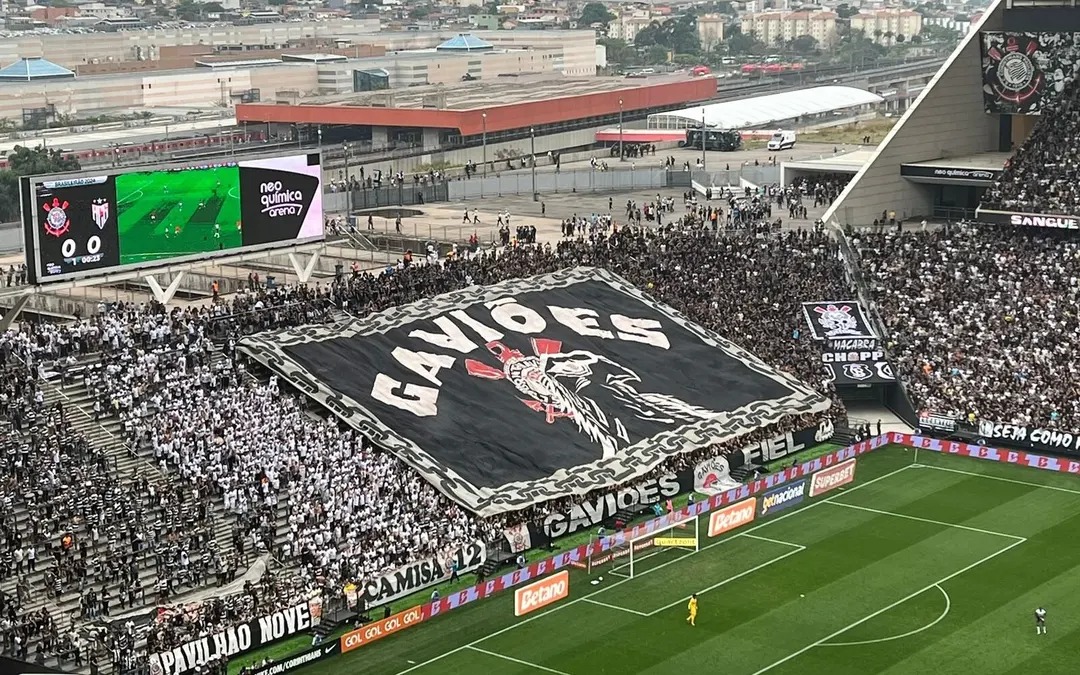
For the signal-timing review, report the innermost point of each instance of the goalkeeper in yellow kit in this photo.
(692, 607)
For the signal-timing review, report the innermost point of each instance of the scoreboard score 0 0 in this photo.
(77, 225)
(81, 225)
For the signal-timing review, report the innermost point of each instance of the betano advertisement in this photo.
(83, 225)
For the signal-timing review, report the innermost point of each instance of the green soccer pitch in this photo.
(927, 564)
(166, 214)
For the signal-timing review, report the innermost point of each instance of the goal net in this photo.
(627, 558)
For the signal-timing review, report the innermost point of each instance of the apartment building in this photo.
(627, 26)
(886, 24)
(775, 28)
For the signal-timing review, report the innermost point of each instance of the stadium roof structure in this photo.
(34, 68)
(498, 105)
(762, 110)
(464, 42)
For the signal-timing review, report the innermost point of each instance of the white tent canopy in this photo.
(763, 110)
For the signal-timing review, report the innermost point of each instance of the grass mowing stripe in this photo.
(518, 661)
(928, 520)
(740, 575)
(999, 478)
(571, 603)
(887, 608)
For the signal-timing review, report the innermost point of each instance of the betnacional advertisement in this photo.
(92, 224)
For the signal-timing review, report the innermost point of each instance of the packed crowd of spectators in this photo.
(822, 188)
(983, 320)
(351, 511)
(1043, 175)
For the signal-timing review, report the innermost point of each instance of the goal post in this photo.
(625, 558)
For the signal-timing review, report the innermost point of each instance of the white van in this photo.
(782, 140)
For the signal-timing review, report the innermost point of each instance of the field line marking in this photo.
(771, 541)
(572, 602)
(881, 611)
(621, 609)
(929, 520)
(537, 666)
(999, 478)
(740, 575)
(948, 606)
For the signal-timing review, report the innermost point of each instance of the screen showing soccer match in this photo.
(91, 224)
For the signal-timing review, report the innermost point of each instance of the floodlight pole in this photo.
(532, 150)
(622, 157)
(703, 138)
(483, 117)
(348, 183)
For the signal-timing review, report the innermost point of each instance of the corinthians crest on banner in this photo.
(533, 389)
(1023, 73)
(837, 319)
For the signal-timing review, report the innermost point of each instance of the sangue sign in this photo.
(1059, 222)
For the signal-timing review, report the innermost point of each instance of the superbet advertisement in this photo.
(82, 225)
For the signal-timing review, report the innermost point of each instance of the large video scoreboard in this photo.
(84, 224)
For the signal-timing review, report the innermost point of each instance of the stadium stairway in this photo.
(742, 473)
(107, 434)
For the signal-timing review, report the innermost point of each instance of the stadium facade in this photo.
(950, 145)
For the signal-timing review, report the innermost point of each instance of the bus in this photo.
(715, 139)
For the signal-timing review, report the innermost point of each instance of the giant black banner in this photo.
(534, 389)
(1022, 73)
(238, 639)
(1051, 441)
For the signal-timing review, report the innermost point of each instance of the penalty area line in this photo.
(571, 602)
(931, 521)
(944, 613)
(740, 575)
(529, 664)
(868, 617)
(610, 606)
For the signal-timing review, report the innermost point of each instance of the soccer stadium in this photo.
(829, 427)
